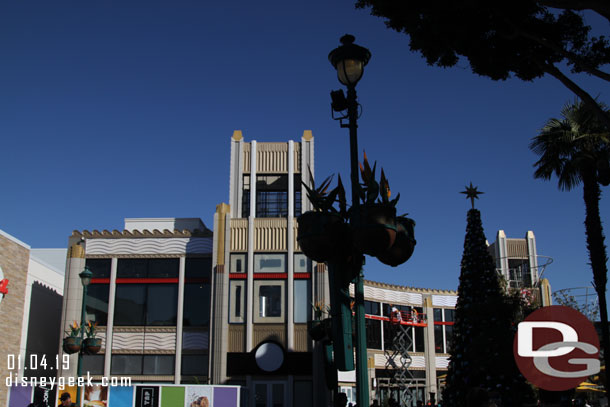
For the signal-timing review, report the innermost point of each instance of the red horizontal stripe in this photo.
(270, 276)
(302, 276)
(238, 276)
(443, 323)
(407, 322)
(146, 280)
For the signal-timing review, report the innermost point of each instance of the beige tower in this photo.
(263, 285)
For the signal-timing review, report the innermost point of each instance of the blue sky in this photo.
(114, 109)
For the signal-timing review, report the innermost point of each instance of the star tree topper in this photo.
(472, 193)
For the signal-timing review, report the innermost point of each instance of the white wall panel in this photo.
(196, 245)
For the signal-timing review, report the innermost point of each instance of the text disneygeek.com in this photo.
(16, 380)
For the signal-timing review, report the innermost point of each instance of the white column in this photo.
(110, 322)
(290, 247)
(429, 347)
(501, 254)
(179, 317)
(250, 280)
(532, 256)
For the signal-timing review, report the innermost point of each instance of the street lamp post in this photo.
(349, 60)
(85, 278)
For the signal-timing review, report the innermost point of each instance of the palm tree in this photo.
(576, 148)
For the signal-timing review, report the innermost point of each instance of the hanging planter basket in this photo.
(403, 246)
(319, 329)
(320, 234)
(92, 345)
(376, 232)
(72, 344)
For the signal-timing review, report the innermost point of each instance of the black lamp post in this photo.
(349, 60)
(85, 278)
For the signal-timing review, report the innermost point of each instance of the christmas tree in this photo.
(482, 364)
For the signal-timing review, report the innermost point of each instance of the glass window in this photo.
(148, 268)
(449, 315)
(236, 301)
(97, 303)
(162, 304)
(438, 315)
(438, 339)
(302, 301)
(94, 364)
(194, 365)
(301, 263)
(238, 263)
(373, 334)
(371, 307)
(99, 267)
(245, 198)
(130, 304)
(196, 304)
(158, 364)
(126, 364)
(132, 268)
(268, 301)
(271, 196)
(297, 195)
(270, 263)
(448, 336)
(420, 343)
(198, 267)
(146, 304)
(163, 268)
(303, 394)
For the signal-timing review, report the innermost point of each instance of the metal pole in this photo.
(80, 353)
(362, 377)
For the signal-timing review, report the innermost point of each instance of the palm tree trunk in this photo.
(597, 256)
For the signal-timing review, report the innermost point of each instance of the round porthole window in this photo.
(269, 356)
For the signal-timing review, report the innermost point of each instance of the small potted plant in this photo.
(72, 343)
(92, 344)
(321, 232)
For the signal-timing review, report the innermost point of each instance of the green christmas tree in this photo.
(482, 364)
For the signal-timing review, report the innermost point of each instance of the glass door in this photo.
(270, 394)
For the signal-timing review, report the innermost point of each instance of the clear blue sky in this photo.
(114, 109)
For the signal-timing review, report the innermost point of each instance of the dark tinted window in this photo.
(99, 267)
(419, 339)
(158, 365)
(97, 303)
(449, 335)
(438, 315)
(449, 314)
(438, 339)
(148, 268)
(198, 267)
(130, 304)
(195, 365)
(94, 364)
(132, 268)
(163, 268)
(371, 307)
(162, 304)
(373, 334)
(126, 364)
(196, 304)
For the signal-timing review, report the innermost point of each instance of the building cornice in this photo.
(135, 234)
(409, 289)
